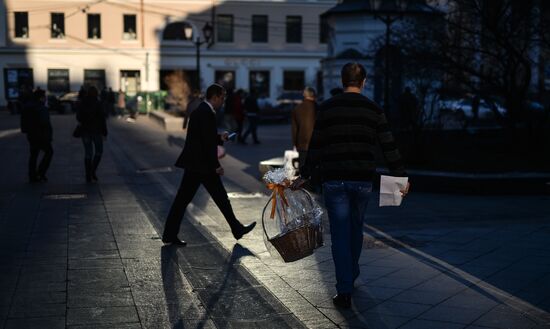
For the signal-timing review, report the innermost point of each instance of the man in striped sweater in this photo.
(341, 154)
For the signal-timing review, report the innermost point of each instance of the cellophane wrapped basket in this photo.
(291, 219)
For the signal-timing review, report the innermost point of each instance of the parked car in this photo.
(464, 106)
(54, 104)
(69, 101)
(281, 110)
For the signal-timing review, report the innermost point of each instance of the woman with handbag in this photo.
(93, 128)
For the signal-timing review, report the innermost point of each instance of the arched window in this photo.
(176, 31)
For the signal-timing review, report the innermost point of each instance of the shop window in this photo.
(259, 82)
(58, 81)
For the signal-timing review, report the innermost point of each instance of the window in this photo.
(294, 29)
(226, 79)
(175, 31)
(57, 25)
(293, 80)
(259, 82)
(323, 29)
(58, 81)
(94, 26)
(22, 25)
(16, 80)
(129, 32)
(94, 78)
(130, 82)
(225, 28)
(259, 28)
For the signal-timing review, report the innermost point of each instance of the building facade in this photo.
(133, 45)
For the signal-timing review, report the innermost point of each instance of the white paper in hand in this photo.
(390, 190)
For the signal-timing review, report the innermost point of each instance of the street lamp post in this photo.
(388, 17)
(207, 32)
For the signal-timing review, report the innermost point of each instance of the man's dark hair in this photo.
(353, 75)
(38, 94)
(214, 90)
(92, 92)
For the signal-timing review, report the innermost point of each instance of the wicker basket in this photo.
(297, 243)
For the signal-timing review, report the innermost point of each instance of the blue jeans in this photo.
(346, 203)
(93, 146)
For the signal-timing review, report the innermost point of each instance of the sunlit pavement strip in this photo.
(10, 132)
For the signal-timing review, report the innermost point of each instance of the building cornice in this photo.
(159, 52)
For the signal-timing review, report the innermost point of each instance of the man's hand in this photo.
(225, 136)
(297, 183)
(405, 191)
(220, 171)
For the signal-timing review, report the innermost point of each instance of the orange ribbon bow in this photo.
(277, 189)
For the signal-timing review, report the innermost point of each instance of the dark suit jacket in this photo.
(200, 152)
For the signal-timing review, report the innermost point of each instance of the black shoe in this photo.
(242, 230)
(42, 178)
(342, 300)
(175, 241)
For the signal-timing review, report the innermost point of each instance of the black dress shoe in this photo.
(175, 241)
(242, 230)
(342, 300)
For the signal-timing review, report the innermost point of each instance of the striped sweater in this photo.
(347, 130)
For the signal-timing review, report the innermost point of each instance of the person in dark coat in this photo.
(35, 123)
(303, 120)
(238, 113)
(91, 117)
(199, 158)
(252, 111)
(194, 102)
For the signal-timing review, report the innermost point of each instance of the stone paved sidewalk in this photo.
(438, 262)
(76, 255)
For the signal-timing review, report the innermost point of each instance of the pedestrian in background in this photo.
(91, 117)
(121, 102)
(252, 112)
(238, 112)
(194, 102)
(229, 112)
(347, 129)
(35, 123)
(199, 158)
(111, 101)
(302, 122)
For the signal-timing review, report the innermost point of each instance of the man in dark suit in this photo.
(199, 158)
(35, 122)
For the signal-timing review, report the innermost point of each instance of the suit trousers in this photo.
(35, 148)
(187, 190)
